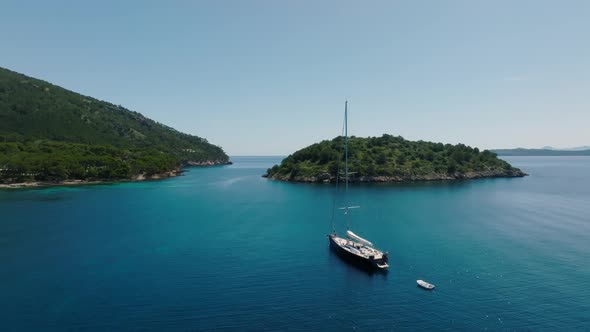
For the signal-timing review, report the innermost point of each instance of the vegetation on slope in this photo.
(56, 161)
(390, 158)
(53, 133)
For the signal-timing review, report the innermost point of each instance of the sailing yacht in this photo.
(353, 247)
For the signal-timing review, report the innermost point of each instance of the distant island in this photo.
(50, 135)
(541, 152)
(575, 148)
(391, 159)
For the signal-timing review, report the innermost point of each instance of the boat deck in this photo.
(358, 248)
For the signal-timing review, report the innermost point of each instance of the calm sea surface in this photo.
(223, 249)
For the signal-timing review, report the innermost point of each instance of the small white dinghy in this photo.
(424, 284)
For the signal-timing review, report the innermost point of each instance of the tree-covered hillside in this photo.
(389, 158)
(44, 124)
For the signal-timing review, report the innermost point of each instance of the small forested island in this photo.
(390, 159)
(50, 135)
(541, 152)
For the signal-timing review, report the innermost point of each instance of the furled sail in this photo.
(358, 238)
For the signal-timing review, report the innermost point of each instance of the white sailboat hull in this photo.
(425, 284)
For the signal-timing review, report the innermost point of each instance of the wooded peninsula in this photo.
(51, 135)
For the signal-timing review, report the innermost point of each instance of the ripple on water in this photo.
(224, 249)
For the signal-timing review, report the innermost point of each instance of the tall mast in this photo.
(346, 162)
(346, 144)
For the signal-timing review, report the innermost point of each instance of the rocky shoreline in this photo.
(327, 178)
(74, 182)
(207, 163)
(135, 178)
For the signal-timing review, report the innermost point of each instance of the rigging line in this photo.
(346, 162)
(337, 180)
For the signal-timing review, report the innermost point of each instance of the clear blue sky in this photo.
(270, 77)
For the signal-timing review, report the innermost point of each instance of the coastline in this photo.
(78, 182)
(135, 178)
(206, 163)
(327, 178)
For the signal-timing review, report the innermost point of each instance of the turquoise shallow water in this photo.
(223, 249)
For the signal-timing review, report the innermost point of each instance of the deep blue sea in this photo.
(221, 248)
